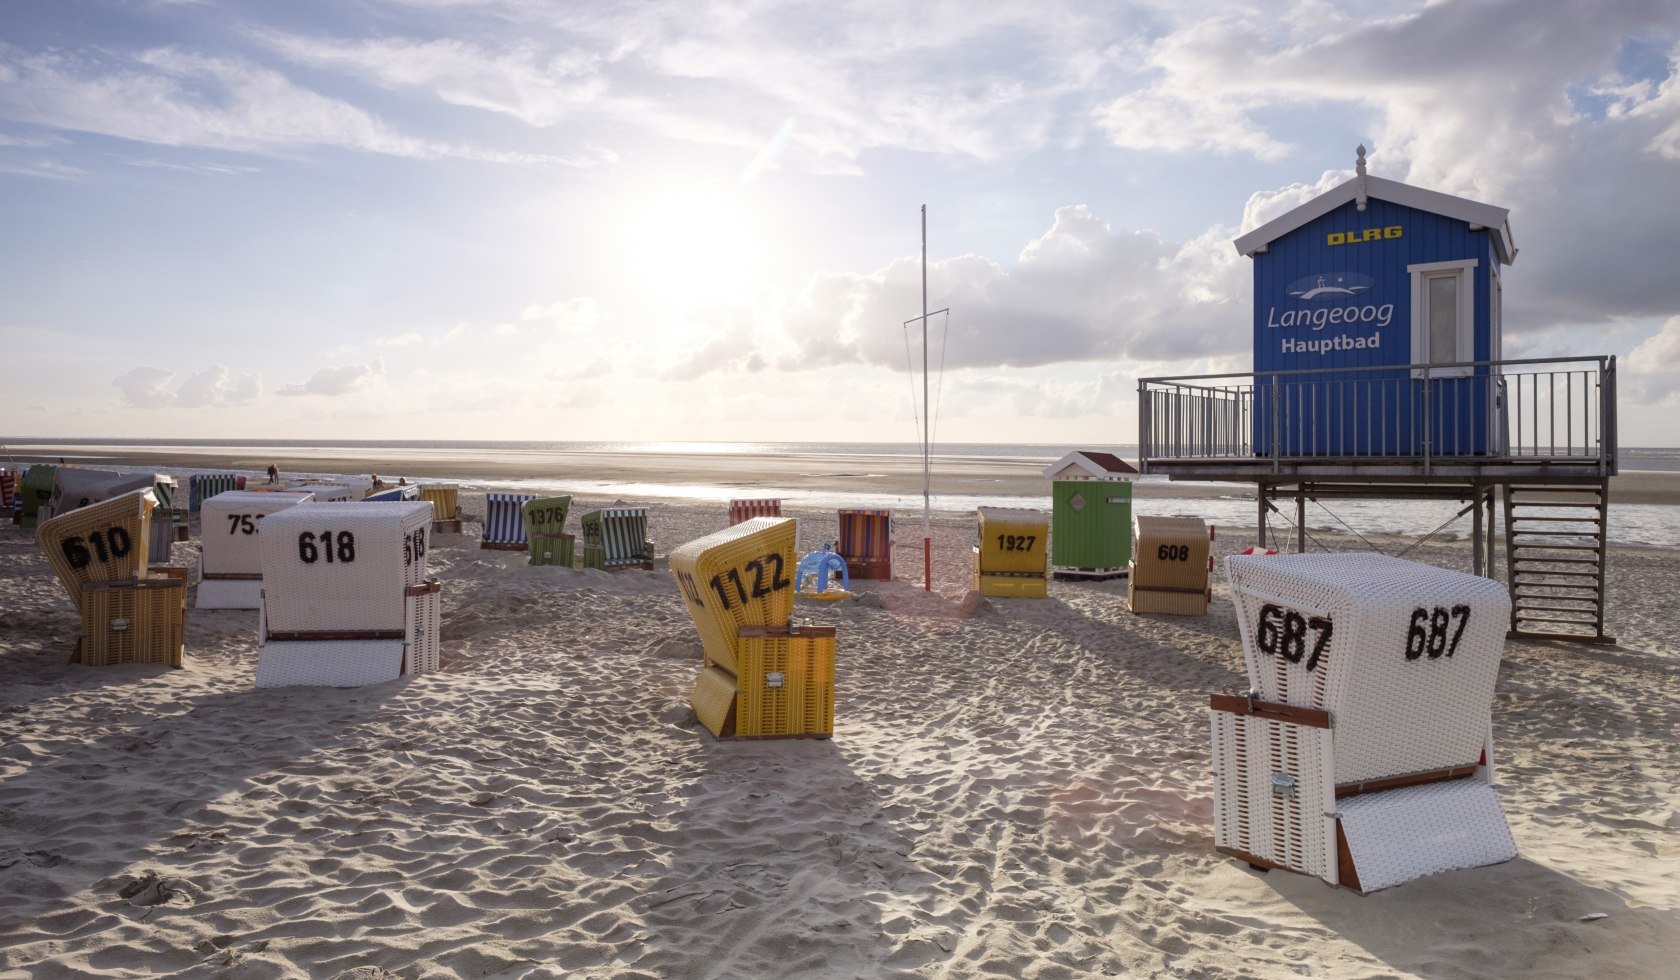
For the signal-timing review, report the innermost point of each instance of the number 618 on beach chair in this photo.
(346, 599)
(760, 677)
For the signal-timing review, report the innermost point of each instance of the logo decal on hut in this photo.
(1330, 285)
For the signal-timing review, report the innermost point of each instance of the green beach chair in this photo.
(616, 537)
(545, 537)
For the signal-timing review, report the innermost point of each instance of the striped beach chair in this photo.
(8, 489)
(745, 509)
(504, 521)
(346, 598)
(865, 541)
(544, 519)
(616, 537)
(446, 503)
(203, 486)
(1362, 753)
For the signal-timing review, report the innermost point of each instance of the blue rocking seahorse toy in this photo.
(812, 578)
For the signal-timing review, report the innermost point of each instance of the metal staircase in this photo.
(1555, 556)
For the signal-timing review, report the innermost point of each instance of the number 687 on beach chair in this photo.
(760, 677)
(346, 599)
(1362, 753)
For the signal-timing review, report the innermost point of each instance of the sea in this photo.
(1655, 525)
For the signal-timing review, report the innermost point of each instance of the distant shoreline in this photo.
(747, 472)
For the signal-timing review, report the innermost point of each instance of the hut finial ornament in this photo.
(1359, 171)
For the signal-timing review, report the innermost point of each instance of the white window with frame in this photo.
(1443, 316)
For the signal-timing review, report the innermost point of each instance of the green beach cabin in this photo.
(1091, 514)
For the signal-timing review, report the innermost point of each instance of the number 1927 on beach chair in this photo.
(760, 676)
(1362, 753)
(346, 599)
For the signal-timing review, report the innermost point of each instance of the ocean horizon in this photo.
(1654, 525)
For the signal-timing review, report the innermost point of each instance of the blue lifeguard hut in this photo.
(1379, 372)
(1389, 295)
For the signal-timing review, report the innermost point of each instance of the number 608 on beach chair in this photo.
(346, 599)
(1362, 753)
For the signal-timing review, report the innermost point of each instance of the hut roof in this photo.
(1095, 464)
(1359, 187)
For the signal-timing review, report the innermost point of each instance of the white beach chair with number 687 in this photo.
(346, 599)
(1362, 752)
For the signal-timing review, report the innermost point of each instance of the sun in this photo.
(694, 246)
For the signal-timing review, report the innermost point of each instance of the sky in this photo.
(510, 219)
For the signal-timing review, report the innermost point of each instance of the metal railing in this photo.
(1534, 410)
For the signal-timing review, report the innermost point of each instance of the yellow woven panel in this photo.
(713, 699)
(1144, 599)
(103, 542)
(444, 498)
(1170, 552)
(140, 623)
(1013, 540)
(740, 576)
(786, 683)
(1012, 586)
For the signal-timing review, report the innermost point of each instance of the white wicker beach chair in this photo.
(230, 563)
(346, 599)
(1362, 752)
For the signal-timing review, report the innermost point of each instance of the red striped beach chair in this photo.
(745, 509)
(865, 541)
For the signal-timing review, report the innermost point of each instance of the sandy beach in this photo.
(1019, 792)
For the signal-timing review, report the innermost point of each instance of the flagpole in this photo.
(927, 432)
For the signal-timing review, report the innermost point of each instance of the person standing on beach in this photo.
(273, 473)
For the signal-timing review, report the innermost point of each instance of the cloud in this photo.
(145, 387)
(213, 387)
(400, 340)
(1652, 369)
(533, 86)
(1079, 292)
(172, 97)
(578, 316)
(343, 379)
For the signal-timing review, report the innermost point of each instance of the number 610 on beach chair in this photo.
(760, 677)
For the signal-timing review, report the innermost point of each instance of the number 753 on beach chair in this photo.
(1362, 752)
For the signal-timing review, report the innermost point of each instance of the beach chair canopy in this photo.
(103, 542)
(1403, 655)
(343, 566)
(504, 517)
(618, 533)
(231, 525)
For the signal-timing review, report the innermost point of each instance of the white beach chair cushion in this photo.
(1402, 834)
(328, 663)
(1393, 714)
(388, 544)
